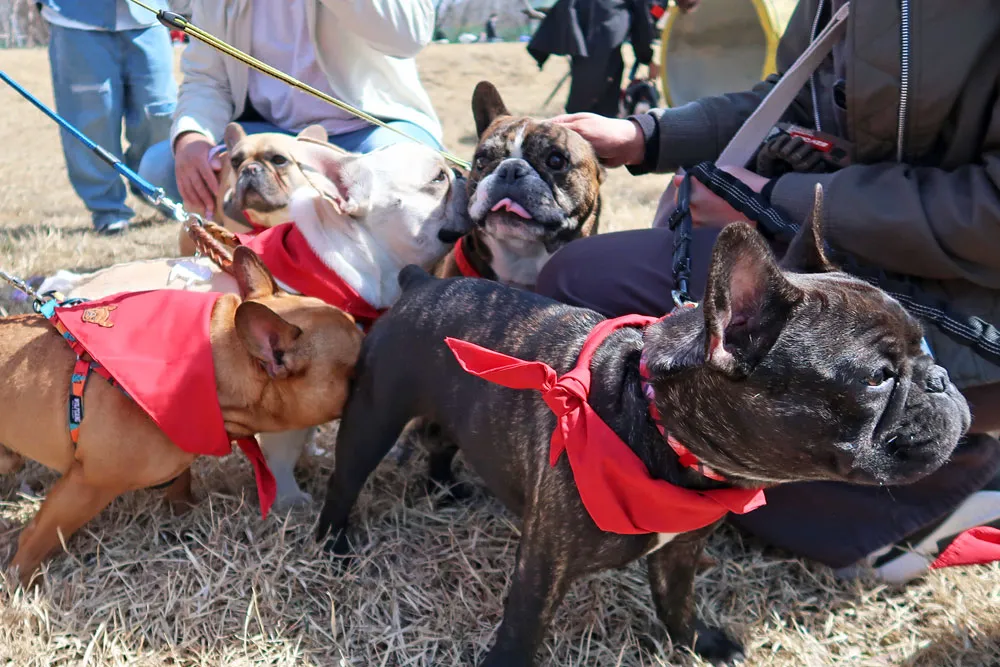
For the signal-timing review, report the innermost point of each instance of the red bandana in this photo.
(462, 261)
(614, 484)
(156, 345)
(975, 546)
(285, 251)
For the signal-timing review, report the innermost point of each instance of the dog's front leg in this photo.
(671, 578)
(541, 577)
(282, 451)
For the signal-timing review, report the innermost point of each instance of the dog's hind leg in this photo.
(72, 502)
(368, 430)
(282, 451)
(441, 477)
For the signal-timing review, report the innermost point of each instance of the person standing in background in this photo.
(592, 32)
(111, 65)
(491, 29)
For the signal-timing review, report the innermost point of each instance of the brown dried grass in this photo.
(219, 586)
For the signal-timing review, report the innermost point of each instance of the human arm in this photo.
(399, 28)
(921, 221)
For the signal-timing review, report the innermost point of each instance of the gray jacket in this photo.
(921, 109)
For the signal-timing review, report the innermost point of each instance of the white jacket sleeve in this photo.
(399, 28)
(204, 100)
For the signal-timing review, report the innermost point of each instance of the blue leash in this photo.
(153, 194)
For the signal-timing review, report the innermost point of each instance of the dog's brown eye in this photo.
(878, 378)
(555, 161)
(441, 177)
(279, 160)
(480, 163)
(235, 161)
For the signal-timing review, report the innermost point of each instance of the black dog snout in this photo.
(937, 380)
(512, 169)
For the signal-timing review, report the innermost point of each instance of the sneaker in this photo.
(915, 555)
(113, 228)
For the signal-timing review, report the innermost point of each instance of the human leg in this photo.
(370, 138)
(89, 93)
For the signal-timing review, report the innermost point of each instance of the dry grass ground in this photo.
(220, 587)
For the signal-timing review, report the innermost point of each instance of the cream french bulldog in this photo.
(363, 219)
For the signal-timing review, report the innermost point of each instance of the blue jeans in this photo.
(102, 79)
(158, 165)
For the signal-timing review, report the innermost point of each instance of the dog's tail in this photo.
(411, 276)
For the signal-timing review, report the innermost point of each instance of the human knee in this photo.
(157, 167)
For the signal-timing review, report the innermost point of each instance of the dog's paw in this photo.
(293, 500)
(715, 646)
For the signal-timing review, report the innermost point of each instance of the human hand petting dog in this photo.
(617, 142)
(196, 171)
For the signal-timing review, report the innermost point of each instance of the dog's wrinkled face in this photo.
(404, 196)
(801, 376)
(263, 172)
(531, 181)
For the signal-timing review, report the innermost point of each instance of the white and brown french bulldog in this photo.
(534, 187)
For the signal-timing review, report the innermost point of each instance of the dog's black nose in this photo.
(511, 170)
(936, 380)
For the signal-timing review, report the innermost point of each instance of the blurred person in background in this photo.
(112, 65)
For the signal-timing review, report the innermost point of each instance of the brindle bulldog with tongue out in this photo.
(534, 187)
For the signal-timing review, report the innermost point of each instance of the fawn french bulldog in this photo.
(181, 374)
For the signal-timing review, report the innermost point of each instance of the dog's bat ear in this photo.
(343, 178)
(252, 276)
(233, 135)
(267, 337)
(806, 253)
(314, 133)
(487, 106)
(747, 301)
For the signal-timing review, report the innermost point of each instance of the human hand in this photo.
(616, 141)
(712, 211)
(654, 71)
(196, 175)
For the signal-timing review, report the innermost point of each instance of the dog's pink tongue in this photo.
(506, 204)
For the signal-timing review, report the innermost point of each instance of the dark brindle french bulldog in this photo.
(534, 187)
(776, 377)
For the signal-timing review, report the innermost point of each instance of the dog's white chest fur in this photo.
(517, 261)
(661, 540)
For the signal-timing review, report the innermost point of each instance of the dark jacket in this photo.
(593, 29)
(934, 213)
